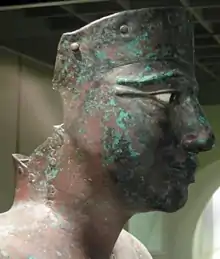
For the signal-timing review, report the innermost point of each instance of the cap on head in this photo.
(149, 35)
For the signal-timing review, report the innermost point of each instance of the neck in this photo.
(99, 226)
(59, 177)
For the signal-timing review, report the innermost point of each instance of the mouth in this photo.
(183, 175)
(185, 171)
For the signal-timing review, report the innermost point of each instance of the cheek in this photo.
(130, 132)
(113, 127)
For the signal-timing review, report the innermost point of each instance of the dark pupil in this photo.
(174, 98)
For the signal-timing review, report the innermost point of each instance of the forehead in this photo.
(161, 34)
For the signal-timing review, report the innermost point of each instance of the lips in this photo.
(182, 176)
(184, 171)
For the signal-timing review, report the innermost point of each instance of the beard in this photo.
(157, 179)
(152, 191)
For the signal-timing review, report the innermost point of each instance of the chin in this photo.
(174, 195)
(169, 199)
(174, 199)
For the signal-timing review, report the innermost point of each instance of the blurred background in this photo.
(29, 34)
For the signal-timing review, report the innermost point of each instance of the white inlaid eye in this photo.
(164, 97)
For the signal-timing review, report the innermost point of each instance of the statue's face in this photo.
(147, 140)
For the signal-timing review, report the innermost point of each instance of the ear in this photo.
(20, 165)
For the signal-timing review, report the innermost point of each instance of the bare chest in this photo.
(37, 242)
(42, 249)
(37, 233)
(49, 245)
(30, 231)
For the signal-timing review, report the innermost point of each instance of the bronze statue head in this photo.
(131, 107)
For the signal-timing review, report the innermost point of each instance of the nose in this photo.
(203, 141)
(191, 126)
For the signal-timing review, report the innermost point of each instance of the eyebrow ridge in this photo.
(148, 79)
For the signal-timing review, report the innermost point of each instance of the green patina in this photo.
(134, 47)
(123, 121)
(109, 110)
(116, 139)
(100, 54)
(146, 78)
(133, 153)
(85, 77)
(108, 160)
(202, 119)
(51, 173)
(122, 117)
(90, 101)
(114, 145)
(82, 131)
(148, 68)
(202, 140)
(112, 102)
(85, 74)
(169, 73)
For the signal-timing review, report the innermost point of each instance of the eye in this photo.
(164, 97)
(167, 97)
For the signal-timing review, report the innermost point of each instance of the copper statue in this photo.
(131, 133)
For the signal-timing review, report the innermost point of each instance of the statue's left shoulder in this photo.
(130, 246)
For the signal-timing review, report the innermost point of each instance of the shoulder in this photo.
(130, 246)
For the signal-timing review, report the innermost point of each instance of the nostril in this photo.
(189, 142)
(198, 142)
(188, 139)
